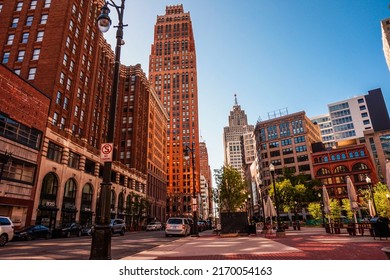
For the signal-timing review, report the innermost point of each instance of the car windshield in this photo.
(175, 221)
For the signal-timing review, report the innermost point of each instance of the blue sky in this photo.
(299, 55)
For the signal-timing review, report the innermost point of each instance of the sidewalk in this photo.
(307, 244)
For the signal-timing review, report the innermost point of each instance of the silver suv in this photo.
(6, 230)
(118, 226)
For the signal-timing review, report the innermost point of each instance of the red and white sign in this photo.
(106, 150)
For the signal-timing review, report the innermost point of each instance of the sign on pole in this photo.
(106, 150)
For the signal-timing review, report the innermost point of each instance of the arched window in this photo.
(68, 213)
(359, 166)
(49, 185)
(70, 189)
(340, 169)
(113, 199)
(47, 201)
(121, 200)
(87, 192)
(86, 205)
(323, 171)
(326, 159)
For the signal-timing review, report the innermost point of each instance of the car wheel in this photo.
(3, 240)
(123, 231)
(29, 237)
(48, 235)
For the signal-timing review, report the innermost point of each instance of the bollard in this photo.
(386, 250)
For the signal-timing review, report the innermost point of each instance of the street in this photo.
(78, 248)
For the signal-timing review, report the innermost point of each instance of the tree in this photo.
(231, 188)
(288, 194)
(315, 210)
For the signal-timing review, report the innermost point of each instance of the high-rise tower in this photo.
(172, 72)
(233, 137)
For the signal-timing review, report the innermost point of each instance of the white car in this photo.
(155, 225)
(6, 230)
(177, 226)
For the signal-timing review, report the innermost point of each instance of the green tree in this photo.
(231, 188)
(335, 209)
(382, 202)
(288, 194)
(315, 210)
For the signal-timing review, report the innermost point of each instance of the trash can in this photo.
(380, 227)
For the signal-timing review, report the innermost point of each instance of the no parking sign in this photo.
(106, 152)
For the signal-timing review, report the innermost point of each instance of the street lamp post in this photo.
(368, 180)
(272, 170)
(101, 240)
(262, 204)
(188, 150)
(322, 209)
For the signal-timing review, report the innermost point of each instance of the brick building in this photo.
(332, 166)
(173, 75)
(23, 115)
(285, 141)
(56, 46)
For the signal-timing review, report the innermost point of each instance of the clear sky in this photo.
(274, 54)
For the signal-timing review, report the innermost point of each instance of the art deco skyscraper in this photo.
(233, 137)
(172, 72)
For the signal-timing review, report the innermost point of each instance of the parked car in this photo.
(201, 226)
(68, 230)
(177, 226)
(155, 225)
(118, 226)
(33, 232)
(86, 230)
(6, 230)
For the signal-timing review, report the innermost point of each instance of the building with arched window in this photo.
(333, 166)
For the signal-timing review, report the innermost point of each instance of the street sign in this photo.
(106, 152)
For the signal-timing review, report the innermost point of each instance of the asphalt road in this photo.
(78, 248)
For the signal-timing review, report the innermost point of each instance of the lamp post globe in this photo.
(104, 20)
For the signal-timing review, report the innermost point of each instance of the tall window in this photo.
(25, 38)
(74, 160)
(47, 4)
(14, 23)
(19, 6)
(36, 53)
(20, 56)
(43, 19)
(55, 118)
(33, 5)
(59, 98)
(54, 152)
(29, 20)
(31, 73)
(40, 35)
(10, 39)
(5, 57)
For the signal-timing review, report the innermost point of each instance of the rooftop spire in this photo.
(235, 100)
